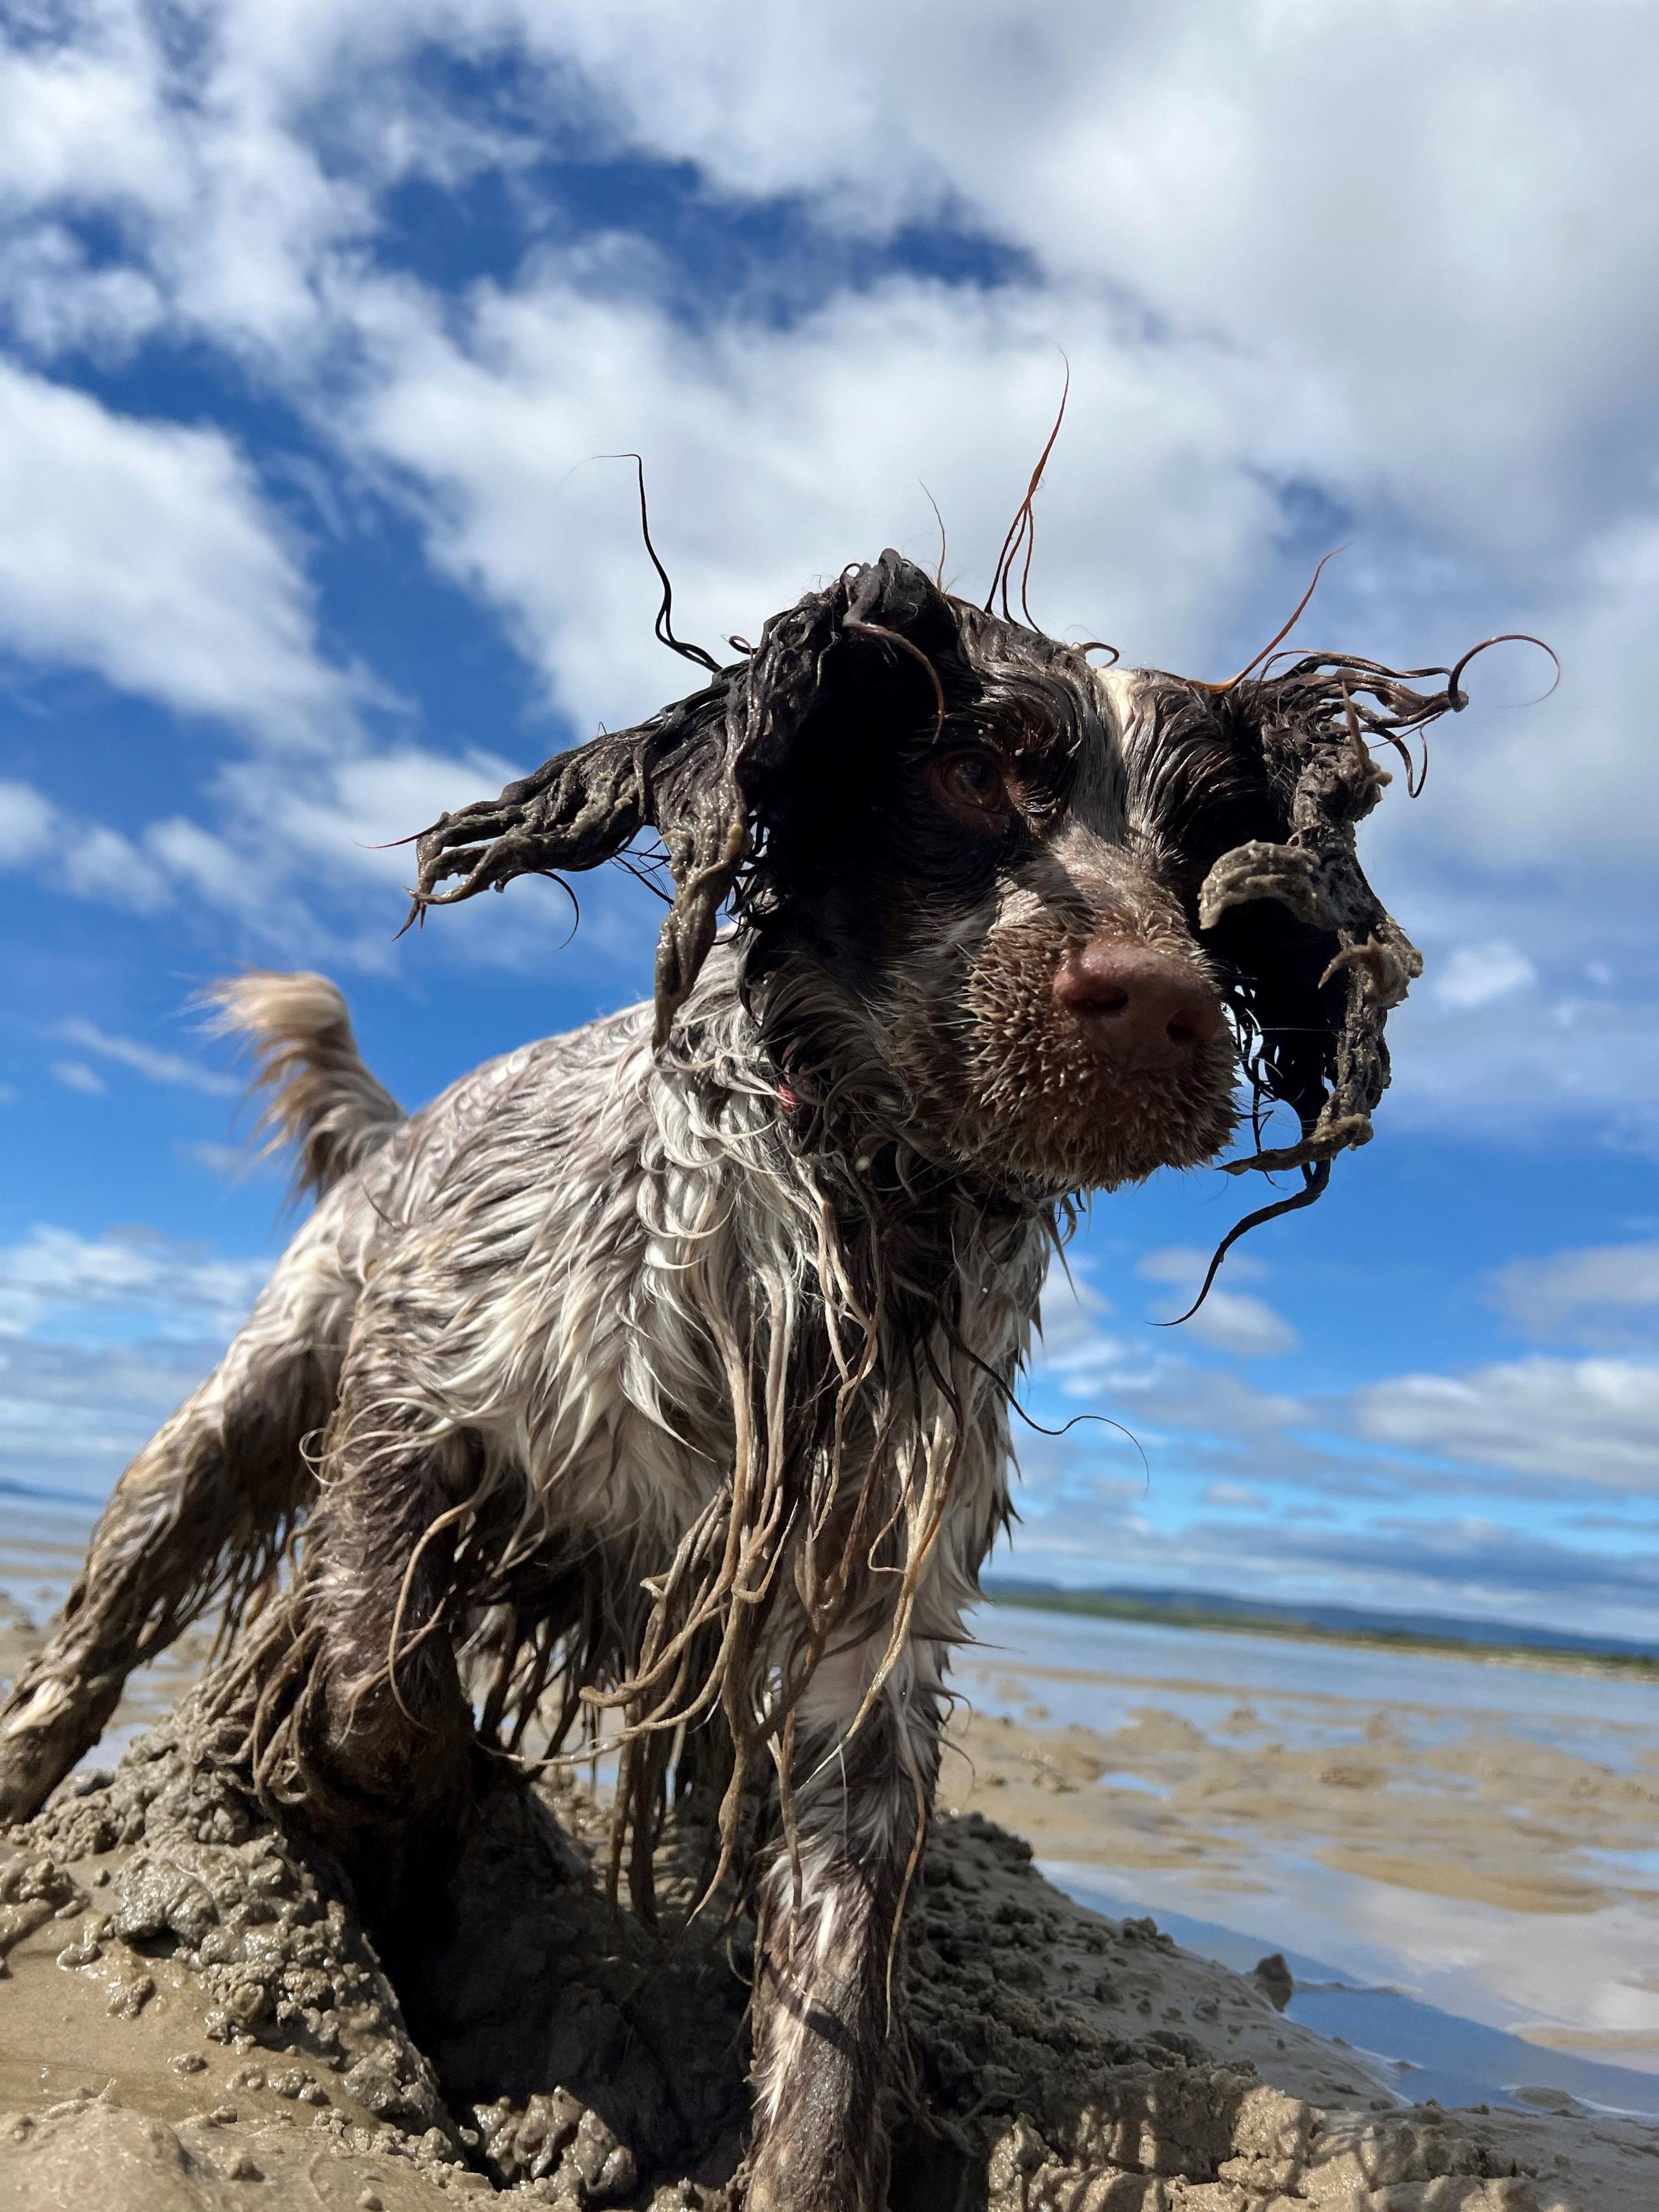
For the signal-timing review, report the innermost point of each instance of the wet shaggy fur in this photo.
(655, 1380)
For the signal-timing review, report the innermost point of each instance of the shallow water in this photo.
(43, 1541)
(1417, 2050)
(1094, 1672)
(1456, 1853)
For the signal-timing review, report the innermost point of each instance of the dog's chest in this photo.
(669, 1319)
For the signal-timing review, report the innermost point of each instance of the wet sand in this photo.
(193, 2013)
(194, 2017)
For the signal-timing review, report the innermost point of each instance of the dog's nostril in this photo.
(1141, 1008)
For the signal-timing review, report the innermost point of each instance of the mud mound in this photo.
(196, 2017)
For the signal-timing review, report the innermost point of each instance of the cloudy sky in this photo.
(316, 318)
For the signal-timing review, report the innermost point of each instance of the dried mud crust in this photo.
(194, 2017)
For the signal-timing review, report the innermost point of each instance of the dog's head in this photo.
(1040, 911)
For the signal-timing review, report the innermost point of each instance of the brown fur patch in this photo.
(1017, 1091)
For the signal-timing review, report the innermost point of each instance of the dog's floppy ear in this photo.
(671, 773)
(696, 773)
(1318, 961)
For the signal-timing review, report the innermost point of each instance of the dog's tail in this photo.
(322, 1100)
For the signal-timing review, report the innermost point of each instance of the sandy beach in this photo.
(1451, 1857)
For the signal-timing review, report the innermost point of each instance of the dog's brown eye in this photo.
(969, 783)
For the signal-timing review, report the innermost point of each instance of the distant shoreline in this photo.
(1506, 1643)
(1501, 1645)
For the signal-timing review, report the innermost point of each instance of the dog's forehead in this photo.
(1129, 698)
(1126, 700)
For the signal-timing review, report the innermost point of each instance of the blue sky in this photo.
(314, 321)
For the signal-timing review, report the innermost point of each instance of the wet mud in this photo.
(1482, 1815)
(194, 2015)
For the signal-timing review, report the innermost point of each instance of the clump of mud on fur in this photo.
(525, 2037)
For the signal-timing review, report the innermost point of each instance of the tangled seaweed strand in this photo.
(1317, 722)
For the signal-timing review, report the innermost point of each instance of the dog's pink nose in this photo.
(1145, 1008)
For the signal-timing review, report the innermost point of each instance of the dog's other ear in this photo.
(695, 772)
(1319, 962)
(586, 806)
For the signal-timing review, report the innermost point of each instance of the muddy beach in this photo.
(192, 2014)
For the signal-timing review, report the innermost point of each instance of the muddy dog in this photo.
(662, 1372)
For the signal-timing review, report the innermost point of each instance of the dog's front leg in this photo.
(826, 2029)
(201, 1508)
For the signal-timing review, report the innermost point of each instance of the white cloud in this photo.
(1475, 975)
(1573, 1062)
(347, 819)
(1544, 785)
(58, 1276)
(1072, 1312)
(1212, 1401)
(89, 859)
(309, 860)
(158, 1066)
(185, 145)
(69, 1416)
(305, 857)
(1591, 1421)
(1326, 187)
(1234, 1497)
(1185, 1265)
(59, 303)
(1248, 1327)
(99, 863)
(775, 455)
(234, 876)
(75, 1075)
(1230, 1321)
(1143, 1385)
(26, 821)
(1462, 1566)
(1554, 1421)
(80, 117)
(1467, 223)
(1472, 200)
(1431, 338)
(143, 550)
(1595, 1293)
(224, 1162)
